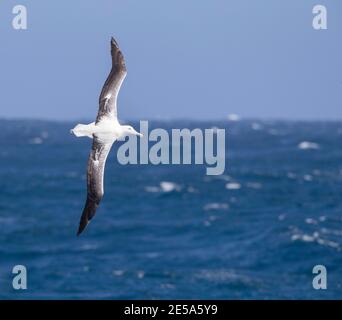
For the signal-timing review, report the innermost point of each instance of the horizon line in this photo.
(225, 119)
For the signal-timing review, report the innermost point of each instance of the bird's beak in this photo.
(138, 134)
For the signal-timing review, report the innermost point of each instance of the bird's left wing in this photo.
(95, 173)
(111, 88)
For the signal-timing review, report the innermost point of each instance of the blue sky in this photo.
(185, 59)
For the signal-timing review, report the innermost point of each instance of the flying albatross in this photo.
(104, 131)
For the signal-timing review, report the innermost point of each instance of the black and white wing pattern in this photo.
(111, 88)
(95, 173)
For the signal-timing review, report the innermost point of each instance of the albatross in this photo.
(104, 131)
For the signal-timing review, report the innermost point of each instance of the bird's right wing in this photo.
(110, 90)
(95, 172)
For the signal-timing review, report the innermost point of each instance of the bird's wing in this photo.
(110, 90)
(95, 172)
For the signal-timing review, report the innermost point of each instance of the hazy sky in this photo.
(185, 59)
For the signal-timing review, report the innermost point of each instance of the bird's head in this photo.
(129, 130)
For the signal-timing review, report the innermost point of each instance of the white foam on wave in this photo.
(45, 134)
(39, 139)
(167, 286)
(310, 221)
(152, 255)
(273, 132)
(316, 172)
(36, 140)
(216, 206)
(303, 237)
(86, 268)
(291, 175)
(224, 177)
(167, 186)
(207, 223)
(191, 189)
(89, 246)
(254, 185)
(307, 145)
(233, 117)
(332, 232)
(118, 273)
(328, 243)
(164, 186)
(308, 177)
(281, 217)
(315, 237)
(256, 126)
(223, 276)
(233, 186)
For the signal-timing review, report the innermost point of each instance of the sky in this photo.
(193, 59)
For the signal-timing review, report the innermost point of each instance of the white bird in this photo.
(104, 131)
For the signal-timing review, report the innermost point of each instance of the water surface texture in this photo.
(171, 231)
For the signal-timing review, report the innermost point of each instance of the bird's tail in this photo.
(83, 130)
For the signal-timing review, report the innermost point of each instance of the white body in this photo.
(105, 127)
(108, 130)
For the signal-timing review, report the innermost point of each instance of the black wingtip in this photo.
(114, 43)
(79, 232)
(81, 227)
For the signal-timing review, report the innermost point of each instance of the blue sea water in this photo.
(171, 231)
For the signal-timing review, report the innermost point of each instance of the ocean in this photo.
(171, 231)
